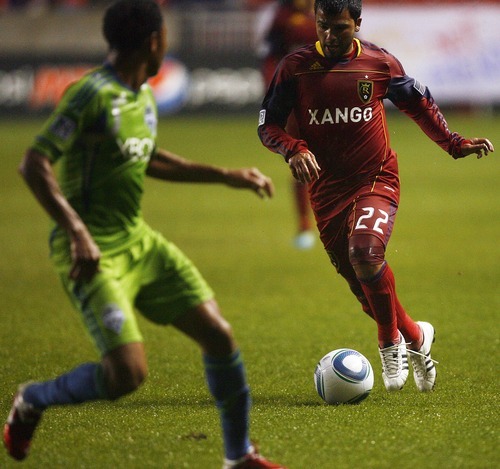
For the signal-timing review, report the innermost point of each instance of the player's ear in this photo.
(153, 41)
(358, 25)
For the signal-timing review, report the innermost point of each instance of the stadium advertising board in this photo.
(36, 88)
(455, 51)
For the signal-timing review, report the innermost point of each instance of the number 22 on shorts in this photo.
(369, 215)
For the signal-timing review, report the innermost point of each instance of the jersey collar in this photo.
(319, 49)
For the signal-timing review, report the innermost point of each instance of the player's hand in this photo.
(86, 256)
(304, 167)
(250, 178)
(479, 146)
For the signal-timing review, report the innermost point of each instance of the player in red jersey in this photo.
(292, 26)
(335, 89)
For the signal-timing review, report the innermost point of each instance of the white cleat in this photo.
(394, 365)
(424, 371)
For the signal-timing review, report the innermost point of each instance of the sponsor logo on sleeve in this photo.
(419, 87)
(262, 117)
(63, 127)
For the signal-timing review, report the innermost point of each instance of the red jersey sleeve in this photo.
(415, 100)
(276, 107)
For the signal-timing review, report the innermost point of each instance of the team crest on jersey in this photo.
(365, 90)
(113, 318)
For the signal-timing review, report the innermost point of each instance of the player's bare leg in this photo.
(125, 368)
(122, 371)
(226, 380)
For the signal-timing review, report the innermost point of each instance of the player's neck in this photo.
(347, 57)
(130, 70)
(352, 53)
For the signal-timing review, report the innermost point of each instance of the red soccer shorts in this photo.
(371, 213)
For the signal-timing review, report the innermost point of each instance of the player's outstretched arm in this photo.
(169, 167)
(480, 146)
(250, 178)
(37, 171)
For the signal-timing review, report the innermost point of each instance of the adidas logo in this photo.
(316, 66)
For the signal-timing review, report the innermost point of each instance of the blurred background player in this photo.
(287, 25)
(336, 88)
(110, 262)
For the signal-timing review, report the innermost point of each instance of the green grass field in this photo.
(288, 308)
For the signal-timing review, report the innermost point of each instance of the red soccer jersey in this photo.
(291, 28)
(340, 114)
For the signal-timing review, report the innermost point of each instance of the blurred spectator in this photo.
(283, 27)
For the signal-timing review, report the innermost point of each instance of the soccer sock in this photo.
(84, 383)
(409, 328)
(302, 203)
(227, 383)
(357, 290)
(380, 291)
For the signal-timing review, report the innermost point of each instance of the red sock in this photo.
(381, 295)
(408, 327)
(302, 204)
(357, 290)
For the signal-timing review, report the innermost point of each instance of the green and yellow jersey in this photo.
(102, 135)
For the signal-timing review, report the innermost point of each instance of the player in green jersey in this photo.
(111, 263)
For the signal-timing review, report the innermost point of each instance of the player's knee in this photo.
(366, 249)
(124, 378)
(366, 255)
(219, 339)
(127, 383)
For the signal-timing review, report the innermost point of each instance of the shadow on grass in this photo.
(178, 401)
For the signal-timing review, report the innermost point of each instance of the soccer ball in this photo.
(343, 376)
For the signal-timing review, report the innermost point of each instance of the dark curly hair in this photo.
(128, 23)
(335, 7)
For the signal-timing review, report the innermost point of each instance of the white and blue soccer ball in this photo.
(343, 376)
